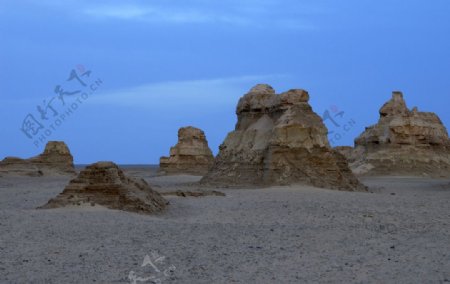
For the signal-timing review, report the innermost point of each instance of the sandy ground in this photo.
(399, 233)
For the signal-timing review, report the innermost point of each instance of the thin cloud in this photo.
(261, 16)
(120, 12)
(160, 15)
(145, 13)
(196, 92)
(242, 13)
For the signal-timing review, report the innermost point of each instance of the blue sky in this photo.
(165, 64)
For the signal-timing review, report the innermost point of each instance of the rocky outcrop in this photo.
(55, 160)
(279, 140)
(105, 184)
(191, 155)
(403, 142)
(345, 151)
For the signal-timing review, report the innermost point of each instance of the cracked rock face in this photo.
(55, 160)
(279, 140)
(191, 155)
(403, 142)
(105, 184)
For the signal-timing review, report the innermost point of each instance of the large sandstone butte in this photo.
(279, 140)
(191, 155)
(56, 159)
(403, 142)
(105, 184)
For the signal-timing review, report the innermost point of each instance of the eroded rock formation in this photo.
(279, 140)
(345, 151)
(191, 155)
(403, 142)
(105, 184)
(55, 160)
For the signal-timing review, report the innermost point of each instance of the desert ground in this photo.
(397, 233)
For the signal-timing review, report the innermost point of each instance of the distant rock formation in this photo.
(55, 160)
(403, 142)
(105, 184)
(279, 140)
(191, 155)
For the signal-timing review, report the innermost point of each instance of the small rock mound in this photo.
(191, 155)
(403, 142)
(105, 184)
(279, 140)
(55, 160)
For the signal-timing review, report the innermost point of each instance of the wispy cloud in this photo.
(163, 15)
(183, 93)
(146, 13)
(121, 12)
(246, 13)
(265, 14)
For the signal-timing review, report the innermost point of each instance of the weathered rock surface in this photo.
(55, 160)
(197, 193)
(345, 151)
(191, 155)
(105, 184)
(279, 140)
(403, 142)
